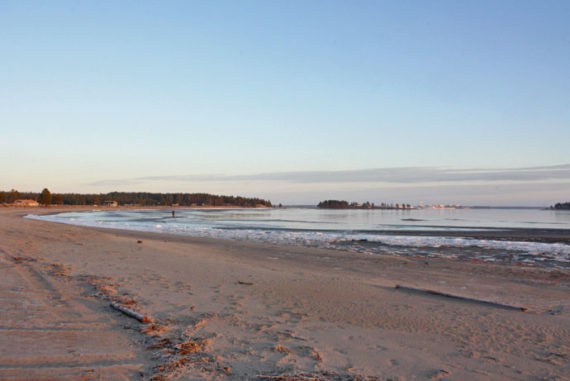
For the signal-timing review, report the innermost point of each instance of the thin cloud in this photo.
(535, 194)
(400, 175)
(417, 175)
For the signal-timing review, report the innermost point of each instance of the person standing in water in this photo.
(173, 214)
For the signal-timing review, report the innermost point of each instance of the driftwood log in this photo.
(130, 313)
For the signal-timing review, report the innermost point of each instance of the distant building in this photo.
(111, 204)
(26, 203)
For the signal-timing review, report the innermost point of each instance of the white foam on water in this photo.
(557, 252)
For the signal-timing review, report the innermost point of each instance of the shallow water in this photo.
(353, 230)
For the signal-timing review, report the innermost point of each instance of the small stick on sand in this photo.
(130, 313)
(438, 293)
(245, 283)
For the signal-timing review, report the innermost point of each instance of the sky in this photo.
(294, 101)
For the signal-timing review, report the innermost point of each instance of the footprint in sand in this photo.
(440, 373)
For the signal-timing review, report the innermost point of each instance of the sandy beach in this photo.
(234, 310)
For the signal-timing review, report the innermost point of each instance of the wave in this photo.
(550, 254)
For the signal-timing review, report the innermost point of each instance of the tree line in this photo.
(132, 198)
(561, 206)
(343, 204)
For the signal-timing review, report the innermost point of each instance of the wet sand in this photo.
(239, 310)
(500, 234)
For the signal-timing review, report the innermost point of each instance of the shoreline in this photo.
(544, 235)
(529, 247)
(254, 309)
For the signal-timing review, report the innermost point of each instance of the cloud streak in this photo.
(400, 175)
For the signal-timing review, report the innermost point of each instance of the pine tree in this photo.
(45, 197)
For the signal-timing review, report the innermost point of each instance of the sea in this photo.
(417, 233)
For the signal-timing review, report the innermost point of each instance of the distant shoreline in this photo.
(131, 207)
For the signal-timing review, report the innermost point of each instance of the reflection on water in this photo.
(353, 230)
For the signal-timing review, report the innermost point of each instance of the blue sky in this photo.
(208, 96)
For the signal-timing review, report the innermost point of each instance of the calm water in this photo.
(352, 230)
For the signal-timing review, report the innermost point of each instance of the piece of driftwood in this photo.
(130, 313)
(444, 294)
(245, 283)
